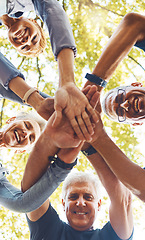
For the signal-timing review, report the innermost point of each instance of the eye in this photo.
(88, 197)
(34, 37)
(26, 125)
(23, 47)
(73, 197)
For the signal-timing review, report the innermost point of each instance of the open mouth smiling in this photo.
(17, 136)
(136, 105)
(20, 34)
(80, 213)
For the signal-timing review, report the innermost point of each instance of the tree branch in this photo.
(136, 62)
(39, 71)
(23, 59)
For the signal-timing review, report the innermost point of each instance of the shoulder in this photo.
(107, 232)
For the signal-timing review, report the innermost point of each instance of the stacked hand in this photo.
(75, 105)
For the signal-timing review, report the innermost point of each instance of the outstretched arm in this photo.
(69, 99)
(129, 173)
(119, 195)
(130, 30)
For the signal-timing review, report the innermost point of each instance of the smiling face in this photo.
(81, 205)
(128, 105)
(21, 134)
(24, 35)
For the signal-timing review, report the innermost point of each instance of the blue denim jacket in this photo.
(7, 72)
(12, 198)
(59, 29)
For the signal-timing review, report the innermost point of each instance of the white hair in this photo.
(79, 177)
(32, 116)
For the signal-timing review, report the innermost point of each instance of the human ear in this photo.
(63, 204)
(99, 204)
(137, 84)
(10, 120)
(137, 124)
(20, 151)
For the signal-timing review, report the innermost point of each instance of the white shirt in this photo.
(3, 7)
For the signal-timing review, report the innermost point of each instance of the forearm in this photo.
(106, 176)
(119, 195)
(38, 160)
(130, 174)
(130, 30)
(66, 66)
(12, 198)
(20, 87)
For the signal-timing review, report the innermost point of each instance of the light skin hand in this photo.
(46, 108)
(62, 135)
(74, 104)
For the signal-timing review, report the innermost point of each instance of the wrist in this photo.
(89, 151)
(45, 145)
(62, 164)
(35, 100)
(100, 140)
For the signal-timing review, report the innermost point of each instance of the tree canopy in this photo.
(93, 23)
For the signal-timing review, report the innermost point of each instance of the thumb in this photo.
(57, 118)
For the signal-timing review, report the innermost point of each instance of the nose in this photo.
(24, 134)
(125, 105)
(26, 40)
(81, 202)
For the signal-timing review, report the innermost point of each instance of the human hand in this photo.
(98, 129)
(75, 105)
(45, 108)
(62, 135)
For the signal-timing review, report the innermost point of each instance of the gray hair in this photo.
(78, 177)
(32, 116)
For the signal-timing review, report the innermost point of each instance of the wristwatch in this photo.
(62, 164)
(89, 151)
(95, 79)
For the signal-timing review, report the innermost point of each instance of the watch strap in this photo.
(89, 151)
(95, 79)
(62, 164)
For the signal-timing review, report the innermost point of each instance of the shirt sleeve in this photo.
(48, 225)
(57, 23)
(7, 71)
(107, 232)
(140, 45)
(13, 199)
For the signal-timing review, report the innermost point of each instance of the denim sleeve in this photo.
(8, 94)
(7, 71)
(12, 198)
(57, 23)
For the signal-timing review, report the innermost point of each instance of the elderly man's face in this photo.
(81, 205)
(126, 104)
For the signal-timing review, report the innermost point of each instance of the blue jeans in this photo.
(15, 200)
